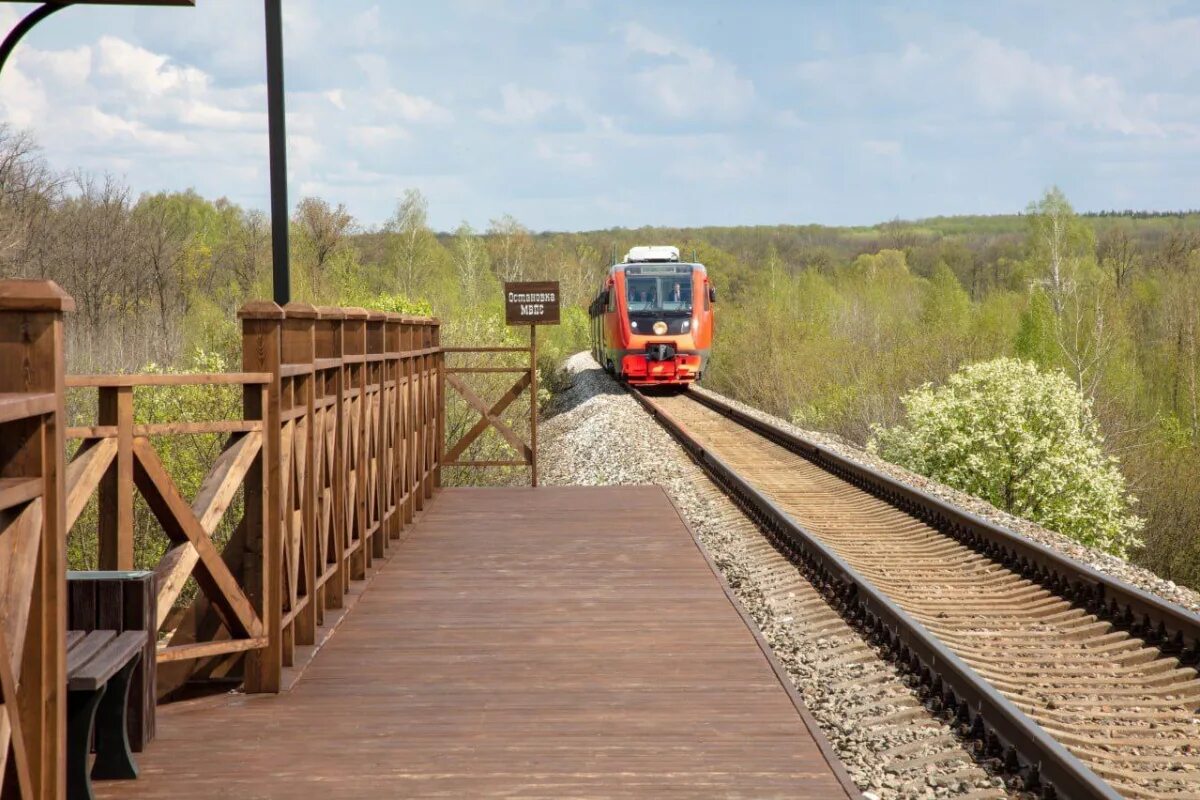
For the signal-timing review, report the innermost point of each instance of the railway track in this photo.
(874, 713)
(1085, 685)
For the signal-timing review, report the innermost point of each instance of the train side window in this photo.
(611, 297)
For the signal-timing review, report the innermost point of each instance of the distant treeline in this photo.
(826, 325)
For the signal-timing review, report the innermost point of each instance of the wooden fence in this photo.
(336, 449)
(492, 414)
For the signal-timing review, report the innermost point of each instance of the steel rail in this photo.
(1027, 748)
(1172, 628)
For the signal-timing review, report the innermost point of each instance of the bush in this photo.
(1025, 441)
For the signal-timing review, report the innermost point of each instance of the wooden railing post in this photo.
(33, 591)
(298, 353)
(425, 490)
(418, 489)
(329, 342)
(408, 432)
(439, 403)
(354, 356)
(393, 361)
(261, 338)
(375, 434)
(115, 528)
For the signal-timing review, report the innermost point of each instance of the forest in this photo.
(830, 327)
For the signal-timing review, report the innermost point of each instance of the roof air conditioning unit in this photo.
(651, 253)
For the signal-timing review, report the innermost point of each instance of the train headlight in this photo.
(687, 323)
(633, 323)
(660, 328)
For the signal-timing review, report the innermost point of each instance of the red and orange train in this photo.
(652, 322)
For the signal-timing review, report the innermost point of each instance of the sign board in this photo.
(531, 303)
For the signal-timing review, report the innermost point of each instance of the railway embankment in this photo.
(1097, 559)
(893, 743)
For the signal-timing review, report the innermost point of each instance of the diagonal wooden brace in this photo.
(490, 417)
(212, 501)
(179, 522)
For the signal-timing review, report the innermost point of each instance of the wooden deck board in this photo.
(557, 642)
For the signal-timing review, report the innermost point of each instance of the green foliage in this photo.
(187, 458)
(827, 326)
(1022, 439)
(1036, 338)
(396, 304)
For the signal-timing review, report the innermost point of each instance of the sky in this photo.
(579, 115)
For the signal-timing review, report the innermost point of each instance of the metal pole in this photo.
(277, 132)
(533, 403)
(24, 26)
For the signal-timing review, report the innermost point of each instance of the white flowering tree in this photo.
(1022, 439)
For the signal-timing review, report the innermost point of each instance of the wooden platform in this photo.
(548, 643)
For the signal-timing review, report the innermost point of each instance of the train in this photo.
(652, 320)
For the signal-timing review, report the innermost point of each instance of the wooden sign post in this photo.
(532, 303)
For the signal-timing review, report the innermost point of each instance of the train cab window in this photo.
(668, 294)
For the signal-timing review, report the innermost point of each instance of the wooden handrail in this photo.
(32, 529)
(186, 379)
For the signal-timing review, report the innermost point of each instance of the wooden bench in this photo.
(99, 667)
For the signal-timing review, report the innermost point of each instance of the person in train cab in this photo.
(677, 293)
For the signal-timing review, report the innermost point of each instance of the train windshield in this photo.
(666, 295)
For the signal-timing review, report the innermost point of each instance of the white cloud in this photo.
(368, 28)
(411, 107)
(788, 118)
(145, 73)
(730, 167)
(62, 67)
(694, 84)
(519, 105)
(562, 153)
(376, 135)
(961, 71)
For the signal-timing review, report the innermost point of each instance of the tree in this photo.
(471, 264)
(97, 250)
(168, 226)
(896, 234)
(1062, 248)
(28, 191)
(511, 246)
(1118, 255)
(409, 242)
(321, 232)
(1022, 439)
(1058, 241)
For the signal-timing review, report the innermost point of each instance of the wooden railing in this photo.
(117, 459)
(334, 451)
(492, 413)
(32, 540)
(337, 446)
(355, 400)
